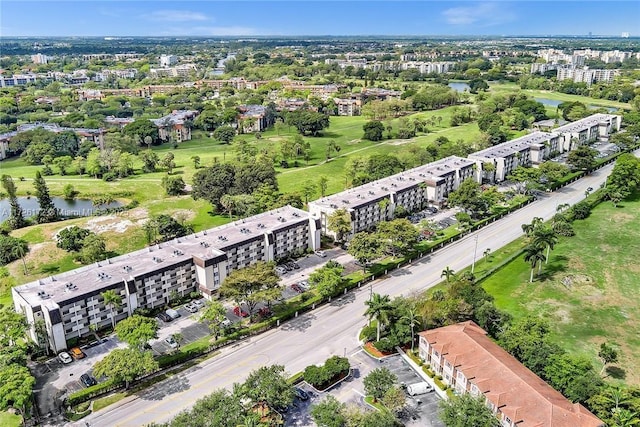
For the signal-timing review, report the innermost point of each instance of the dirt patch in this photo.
(118, 223)
(400, 141)
(553, 310)
(621, 217)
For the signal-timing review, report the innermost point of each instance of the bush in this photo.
(91, 392)
(368, 333)
(109, 176)
(385, 345)
(323, 376)
(12, 248)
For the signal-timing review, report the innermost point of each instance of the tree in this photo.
(269, 385)
(466, 411)
(308, 189)
(322, 185)
(168, 162)
(624, 178)
(125, 365)
(164, 227)
(47, 211)
(339, 221)
(214, 314)
(307, 122)
(247, 284)
(534, 254)
(331, 147)
(608, 354)
(365, 247)
(379, 382)
(173, 185)
(94, 249)
(327, 279)
(150, 160)
(69, 192)
(469, 197)
(394, 399)
(63, 164)
(141, 129)
(414, 319)
(11, 249)
(112, 300)
(373, 130)
(93, 165)
(448, 273)
(16, 386)
(16, 219)
(137, 331)
(378, 308)
(582, 158)
(213, 182)
(329, 412)
(72, 238)
(224, 134)
(14, 327)
(220, 408)
(545, 236)
(399, 236)
(196, 162)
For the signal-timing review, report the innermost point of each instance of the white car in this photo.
(321, 254)
(65, 358)
(191, 308)
(226, 323)
(171, 342)
(198, 302)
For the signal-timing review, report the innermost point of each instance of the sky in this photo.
(301, 17)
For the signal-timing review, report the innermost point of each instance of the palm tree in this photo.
(379, 308)
(545, 236)
(112, 300)
(533, 254)
(414, 319)
(448, 273)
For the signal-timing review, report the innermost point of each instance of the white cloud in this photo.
(176, 16)
(483, 14)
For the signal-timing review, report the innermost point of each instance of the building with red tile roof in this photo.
(470, 362)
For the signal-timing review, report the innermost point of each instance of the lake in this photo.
(78, 207)
(459, 86)
(555, 103)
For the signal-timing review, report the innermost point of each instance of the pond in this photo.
(554, 103)
(459, 86)
(78, 207)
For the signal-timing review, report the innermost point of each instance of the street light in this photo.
(475, 249)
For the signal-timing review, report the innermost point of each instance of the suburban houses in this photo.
(70, 303)
(469, 362)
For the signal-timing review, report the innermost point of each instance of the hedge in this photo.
(322, 377)
(91, 392)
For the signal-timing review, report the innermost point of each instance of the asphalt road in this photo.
(329, 330)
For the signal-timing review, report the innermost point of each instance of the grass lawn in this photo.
(10, 420)
(589, 289)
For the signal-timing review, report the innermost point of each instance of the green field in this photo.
(589, 290)
(10, 420)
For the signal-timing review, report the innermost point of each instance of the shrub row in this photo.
(321, 377)
(91, 392)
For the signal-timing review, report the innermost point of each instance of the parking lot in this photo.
(420, 411)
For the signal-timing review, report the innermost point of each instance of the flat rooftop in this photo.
(513, 146)
(585, 123)
(431, 173)
(204, 245)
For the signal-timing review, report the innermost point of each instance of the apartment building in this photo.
(509, 155)
(428, 67)
(71, 304)
(470, 362)
(84, 134)
(348, 106)
(183, 71)
(168, 60)
(376, 201)
(17, 80)
(39, 58)
(175, 125)
(381, 94)
(586, 75)
(253, 118)
(590, 129)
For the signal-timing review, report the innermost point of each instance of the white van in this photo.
(172, 313)
(418, 388)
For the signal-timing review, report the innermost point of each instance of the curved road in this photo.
(329, 330)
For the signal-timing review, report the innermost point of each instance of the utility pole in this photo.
(475, 250)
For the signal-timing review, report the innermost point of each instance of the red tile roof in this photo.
(516, 391)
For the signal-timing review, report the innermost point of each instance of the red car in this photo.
(296, 287)
(240, 312)
(265, 312)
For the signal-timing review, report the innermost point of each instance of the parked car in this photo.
(225, 323)
(287, 267)
(321, 254)
(64, 357)
(238, 311)
(164, 317)
(88, 380)
(295, 265)
(301, 394)
(76, 353)
(171, 342)
(419, 388)
(199, 303)
(172, 313)
(281, 270)
(296, 287)
(191, 308)
(304, 284)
